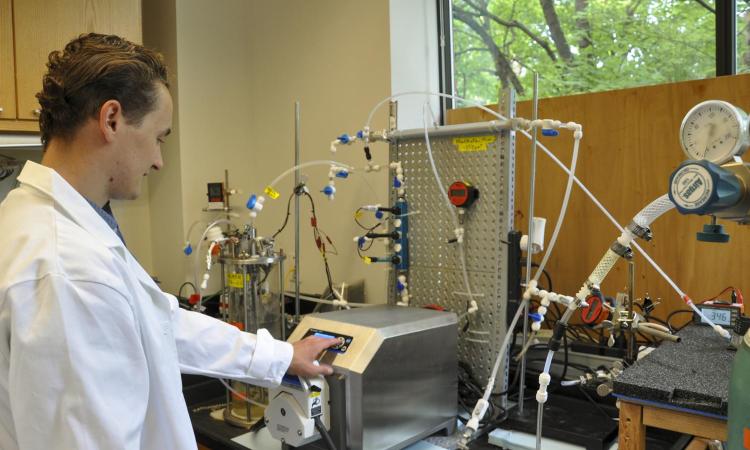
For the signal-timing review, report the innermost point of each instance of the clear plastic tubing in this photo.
(318, 162)
(448, 204)
(199, 257)
(563, 210)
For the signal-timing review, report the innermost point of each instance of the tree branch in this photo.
(706, 5)
(582, 23)
(555, 29)
(513, 24)
(503, 68)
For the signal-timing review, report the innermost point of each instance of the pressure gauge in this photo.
(714, 130)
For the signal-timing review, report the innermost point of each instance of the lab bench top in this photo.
(691, 375)
(218, 435)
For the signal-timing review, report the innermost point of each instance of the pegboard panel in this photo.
(434, 275)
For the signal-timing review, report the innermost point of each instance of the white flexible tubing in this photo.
(565, 383)
(317, 162)
(198, 222)
(330, 302)
(196, 267)
(448, 204)
(433, 94)
(503, 347)
(241, 395)
(563, 209)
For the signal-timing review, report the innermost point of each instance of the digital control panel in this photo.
(725, 316)
(344, 341)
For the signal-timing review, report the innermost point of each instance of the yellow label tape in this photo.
(271, 192)
(235, 280)
(473, 143)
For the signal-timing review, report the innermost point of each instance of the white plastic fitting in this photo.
(473, 307)
(544, 381)
(459, 233)
(214, 234)
(537, 241)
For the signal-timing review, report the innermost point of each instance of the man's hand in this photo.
(306, 352)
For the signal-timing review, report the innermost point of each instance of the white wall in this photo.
(241, 65)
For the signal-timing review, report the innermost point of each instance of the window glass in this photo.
(743, 36)
(580, 45)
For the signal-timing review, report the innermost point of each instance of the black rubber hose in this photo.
(323, 432)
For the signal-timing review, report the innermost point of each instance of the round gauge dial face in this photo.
(715, 131)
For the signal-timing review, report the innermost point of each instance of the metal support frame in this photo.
(434, 270)
(726, 37)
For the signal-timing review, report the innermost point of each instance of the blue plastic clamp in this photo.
(396, 182)
(550, 132)
(361, 134)
(345, 138)
(188, 249)
(342, 174)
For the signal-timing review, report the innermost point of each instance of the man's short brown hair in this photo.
(91, 70)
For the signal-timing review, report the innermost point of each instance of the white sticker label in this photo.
(692, 187)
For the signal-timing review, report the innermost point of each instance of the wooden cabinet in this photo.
(7, 68)
(37, 27)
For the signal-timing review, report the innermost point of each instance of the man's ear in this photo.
(110, 119)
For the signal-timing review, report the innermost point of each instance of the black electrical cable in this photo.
(324, 433)
(288, 212)
(593, 402)
(182, 286)
(674, 313)
(318, 241)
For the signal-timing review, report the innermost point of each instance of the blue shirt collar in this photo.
(106, 214)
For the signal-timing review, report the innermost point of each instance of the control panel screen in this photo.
(344, 341)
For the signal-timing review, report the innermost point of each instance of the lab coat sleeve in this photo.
(78, 377)
(210, 347)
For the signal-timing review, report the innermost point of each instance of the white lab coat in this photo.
(91, 349)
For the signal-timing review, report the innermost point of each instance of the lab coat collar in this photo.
(50, 183)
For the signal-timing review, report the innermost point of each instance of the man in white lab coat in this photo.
(91, 349)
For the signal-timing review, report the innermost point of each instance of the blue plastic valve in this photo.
(361, 134)
(188, 249)
(328, 190)
(345, 138)
(396, 182)
(379, 214)
(361, 242)
(536, 317)
(399, 286)
(251, 201)
(342, 174)
(550, 132)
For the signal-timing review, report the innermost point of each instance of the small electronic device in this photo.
(724, 315)
(714, 130)
(215, 196)
(462, 194)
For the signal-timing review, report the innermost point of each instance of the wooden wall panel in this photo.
(629, 149)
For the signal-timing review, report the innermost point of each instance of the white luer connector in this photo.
(476, 416)
(541, 394)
